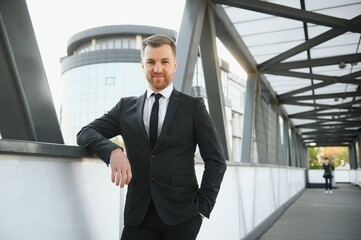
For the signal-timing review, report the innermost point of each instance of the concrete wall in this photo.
(44, 197)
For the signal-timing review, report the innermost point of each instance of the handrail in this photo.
(9, 146)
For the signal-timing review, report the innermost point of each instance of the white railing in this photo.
(248, 196)
(340, 175)
(355, 177)
(54, 198)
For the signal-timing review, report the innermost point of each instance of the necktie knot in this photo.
(157, 96)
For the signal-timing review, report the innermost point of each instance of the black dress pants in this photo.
(153, 228)
(328, 183)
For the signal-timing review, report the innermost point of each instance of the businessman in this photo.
(161, 130)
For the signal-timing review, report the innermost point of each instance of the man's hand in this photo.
(120, 166)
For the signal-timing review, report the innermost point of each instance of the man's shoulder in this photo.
(130, 99)
(186, 96)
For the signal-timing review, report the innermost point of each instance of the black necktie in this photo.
(153, 123)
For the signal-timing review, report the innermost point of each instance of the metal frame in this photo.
(198, 30)
(276, 66)
(26, 105)
(25, 95)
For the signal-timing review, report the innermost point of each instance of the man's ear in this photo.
(175, 65)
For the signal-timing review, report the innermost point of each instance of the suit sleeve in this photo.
(212, 154)
(95, 136)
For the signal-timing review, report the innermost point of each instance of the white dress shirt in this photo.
(163, 104)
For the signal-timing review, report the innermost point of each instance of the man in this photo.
(160, 133)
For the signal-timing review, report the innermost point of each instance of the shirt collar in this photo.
(166, 92)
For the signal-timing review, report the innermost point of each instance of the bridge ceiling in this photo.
(309, 53)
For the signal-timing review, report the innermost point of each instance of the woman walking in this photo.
(328, 175)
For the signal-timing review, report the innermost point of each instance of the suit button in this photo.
(152, 157)
(152, 180)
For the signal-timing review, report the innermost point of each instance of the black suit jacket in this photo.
(166, 173)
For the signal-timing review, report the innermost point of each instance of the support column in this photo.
(304, 155)
(299, 153)
(299, 146)
(248, 118)
(351, 154)
(212, 77)
(292, 161)
(26, 105)
(286, 145)
(359, 150)
(188, 40)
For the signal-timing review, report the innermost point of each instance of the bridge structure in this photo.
(303, 89)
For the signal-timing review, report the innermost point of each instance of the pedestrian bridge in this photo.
(303, 87)
(53, 191)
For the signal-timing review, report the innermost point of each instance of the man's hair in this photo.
(157, 41)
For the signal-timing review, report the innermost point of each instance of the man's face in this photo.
(159, 65)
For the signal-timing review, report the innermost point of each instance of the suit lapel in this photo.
(140, 106)
(173, 104)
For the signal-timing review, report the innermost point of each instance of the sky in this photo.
(55, 21)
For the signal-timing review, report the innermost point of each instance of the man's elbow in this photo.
(223, 167)
(80, 137)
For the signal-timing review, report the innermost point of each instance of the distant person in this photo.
(161, 130)
(328, 175)
(343, 165)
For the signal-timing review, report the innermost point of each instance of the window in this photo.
(118, 43)
(132, 43)
(125, 43)
(108, 43)
(111, 44)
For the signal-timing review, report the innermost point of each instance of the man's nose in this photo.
(157, 67)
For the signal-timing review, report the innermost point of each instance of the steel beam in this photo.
(349, 58)
(212, 77)
(359, 150)
(292, 13)
(249, 107)
(26, 105)
(188, 43)
(286, 145)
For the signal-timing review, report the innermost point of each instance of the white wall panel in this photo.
(46, 198)
(52, 198)
(341, 176)
(355, 176)
(248, 196)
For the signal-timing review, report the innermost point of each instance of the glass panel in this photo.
(132, 43)
(111, 44)
(118, 43)
(125, 42)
